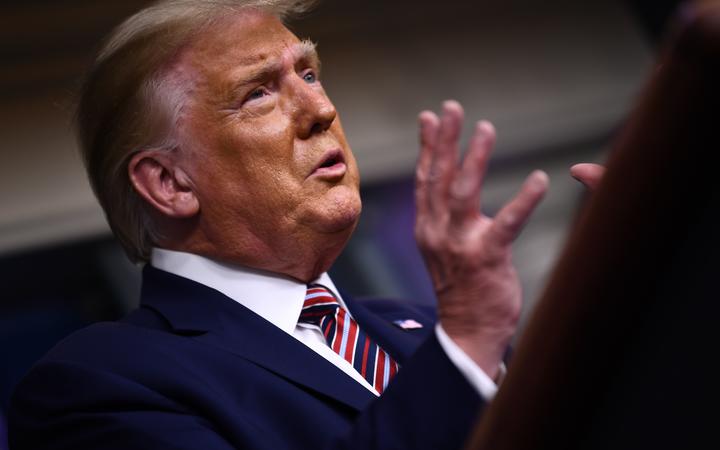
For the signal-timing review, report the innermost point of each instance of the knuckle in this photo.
(458, 249)
(508, 222)
(439, 171)
(429, 242)
(440, 244)
(421, 176)
(461, 190)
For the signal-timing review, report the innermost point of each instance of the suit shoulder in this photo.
(106, 359)
(100, 339)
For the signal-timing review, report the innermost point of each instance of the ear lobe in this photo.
(162, 185)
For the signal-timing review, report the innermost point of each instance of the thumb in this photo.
(588, 174)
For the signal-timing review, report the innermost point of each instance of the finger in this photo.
(588, 174)
(466, 188)
(510, 219)
(429, 125)
(444, 157)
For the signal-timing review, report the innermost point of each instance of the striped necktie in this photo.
(345, 337)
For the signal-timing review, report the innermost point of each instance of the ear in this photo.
(162, 184)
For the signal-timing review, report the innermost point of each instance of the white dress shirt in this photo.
(279, 300)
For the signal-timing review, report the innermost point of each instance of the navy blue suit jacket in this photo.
(193, 369)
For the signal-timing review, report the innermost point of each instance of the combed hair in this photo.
(127, 104)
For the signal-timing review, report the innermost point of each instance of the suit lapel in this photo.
(399, 343)
(217, 320)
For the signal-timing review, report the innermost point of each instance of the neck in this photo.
(303, 257)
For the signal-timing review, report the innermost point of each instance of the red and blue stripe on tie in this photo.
(345, 337)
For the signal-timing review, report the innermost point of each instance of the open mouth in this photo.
(332, 165)
(334, 157)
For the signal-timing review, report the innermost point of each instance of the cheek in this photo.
(248, 148)
(264, 142)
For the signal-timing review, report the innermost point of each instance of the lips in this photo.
(331, 166)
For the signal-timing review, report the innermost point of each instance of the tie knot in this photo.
(319, 303)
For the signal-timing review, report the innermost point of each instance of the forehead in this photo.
(242, 40)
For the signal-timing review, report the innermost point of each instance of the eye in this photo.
(257, 94)
(310, 77)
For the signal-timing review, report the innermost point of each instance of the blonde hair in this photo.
(128, 103)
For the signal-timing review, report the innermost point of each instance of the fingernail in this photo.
(426, 117)
(540, 178)
(485, 127)
(451, 104)
(487, 124)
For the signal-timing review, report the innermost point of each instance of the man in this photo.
(219, 159)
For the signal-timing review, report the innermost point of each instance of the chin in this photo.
(339, 211)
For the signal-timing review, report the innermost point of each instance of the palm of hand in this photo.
(467, 253)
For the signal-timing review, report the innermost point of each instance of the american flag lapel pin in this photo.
(408, 324)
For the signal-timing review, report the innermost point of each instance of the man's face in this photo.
(264, 149)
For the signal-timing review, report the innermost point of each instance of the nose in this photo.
(315, 111)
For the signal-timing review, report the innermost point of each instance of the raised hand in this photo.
(468, 254)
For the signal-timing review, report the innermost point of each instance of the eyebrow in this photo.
(307, 53)
(303, 52)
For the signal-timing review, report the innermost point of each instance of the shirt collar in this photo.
(276, 298)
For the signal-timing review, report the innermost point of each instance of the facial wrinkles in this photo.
(276, 64)
(250, 166)
(274, 165)
(276, 126)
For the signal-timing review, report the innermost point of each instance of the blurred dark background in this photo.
(557, 78)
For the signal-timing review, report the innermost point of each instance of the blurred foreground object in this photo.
(619, 351)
